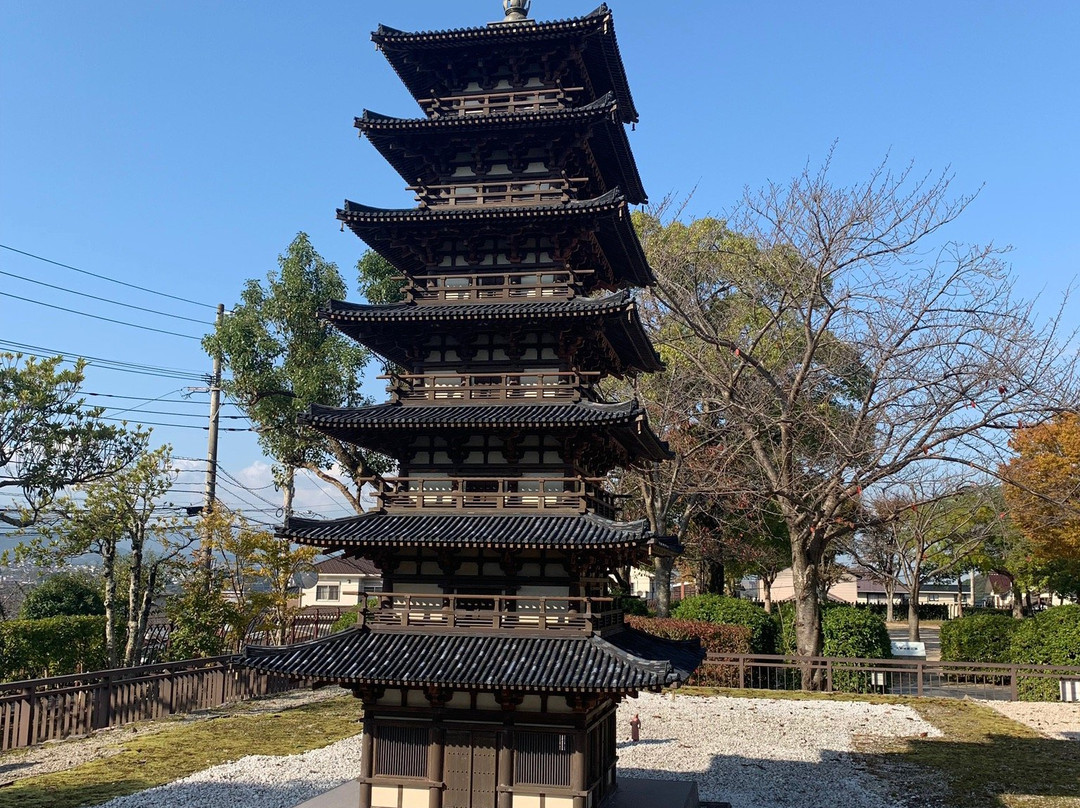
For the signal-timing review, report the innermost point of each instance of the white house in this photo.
(342, 582)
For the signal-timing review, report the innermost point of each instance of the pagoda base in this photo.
(631, 793)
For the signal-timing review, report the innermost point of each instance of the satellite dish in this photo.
(306, 578)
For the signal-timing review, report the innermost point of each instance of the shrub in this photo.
(1049, 638)
(927, 611)
(632, 605)
(735, 612)
(347, 620)
(54, 646)
(978, 638)
(715, 638)
(853, 632)
(63, 594)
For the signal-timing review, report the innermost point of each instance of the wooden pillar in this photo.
(577, 769)
(366, 763)
(435, 767)
(506, 768)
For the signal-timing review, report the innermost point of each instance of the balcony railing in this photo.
(504, 192)
(437, 388)
(501, 102)
(547, 494)
(481, 612)
(495, 286)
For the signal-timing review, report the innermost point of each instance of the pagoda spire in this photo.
(516, 10)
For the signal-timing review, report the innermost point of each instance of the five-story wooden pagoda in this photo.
(492, 667)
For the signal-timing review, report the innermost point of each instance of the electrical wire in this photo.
(106, 278)
(105, 299)
(39, 352)
(99, 317)
(178, 426)
(145, 398)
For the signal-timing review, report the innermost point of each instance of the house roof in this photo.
(621, 662)
(344, 565)
(600, 57)
(408, 144)
(486, 530)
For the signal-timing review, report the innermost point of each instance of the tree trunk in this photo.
(712, 577)
(960, 595)
(890, 594)
(662, 566)
(913, 612)
(808, 638)
(768, 595)
(134, 599)
(108, 566)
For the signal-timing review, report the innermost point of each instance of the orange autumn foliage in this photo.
(1043, 486)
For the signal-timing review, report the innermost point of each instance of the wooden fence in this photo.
(900, 677)
(40, 710)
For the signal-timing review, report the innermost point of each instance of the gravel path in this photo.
(764, 753)
(754, 753)
(1054, 719)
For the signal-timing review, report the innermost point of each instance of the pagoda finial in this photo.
(516, 10)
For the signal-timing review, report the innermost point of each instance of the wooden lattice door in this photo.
(470, 769)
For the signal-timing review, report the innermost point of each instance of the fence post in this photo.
(165, 694)
(24, 732)
(1014, 685)
(828, 676)
(919, 673)
(742, 672)
(102, 703)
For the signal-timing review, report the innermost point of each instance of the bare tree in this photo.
(845, 342)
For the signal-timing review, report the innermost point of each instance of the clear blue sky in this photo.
(181, 146)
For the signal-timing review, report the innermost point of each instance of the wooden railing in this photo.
(469, 613)
(487, 387)
(898, 677)
(502, 101)
(577, 494)
(40, 710)
(495, 286)
(504, 192)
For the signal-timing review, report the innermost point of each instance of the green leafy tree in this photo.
(283, 359)
(49, 439)
(64, 594)
(121, 511)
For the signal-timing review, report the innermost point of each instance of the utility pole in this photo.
(212, 444)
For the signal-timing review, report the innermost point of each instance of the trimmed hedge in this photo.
(715, 638)
(1050, 638)
(927, 611)
(978, 638)
(732, 612)
(854, 632)
(53, 646)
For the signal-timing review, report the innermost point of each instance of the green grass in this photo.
(185, 748)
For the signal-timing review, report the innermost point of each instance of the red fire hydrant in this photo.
(635, 728)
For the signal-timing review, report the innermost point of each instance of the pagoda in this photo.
(491, 667)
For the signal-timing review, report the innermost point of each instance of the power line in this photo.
(104, 299)
(147, 399)
(178, 426)
(176, 414)
(106, 278)
(107, 364)
(99, 317)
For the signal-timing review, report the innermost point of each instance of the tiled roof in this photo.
(621, 662)
(603, 62)
(388, 329)
(382, 427)
(343, 565)
(508, 416)
(394, 232)
(487, 530)
(354, 212)
(409, 144)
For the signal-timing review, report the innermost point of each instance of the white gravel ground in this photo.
(753, 753)
(1054, 719)
(764, 753)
